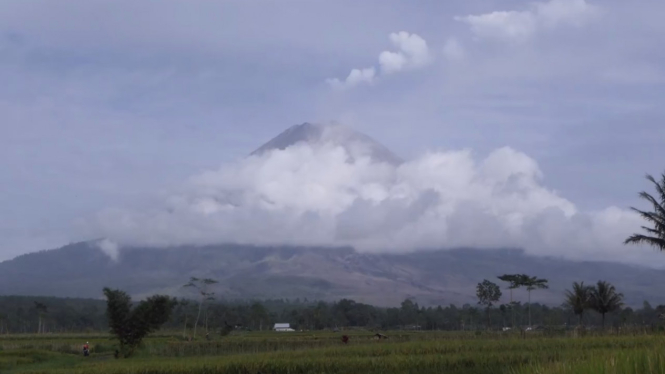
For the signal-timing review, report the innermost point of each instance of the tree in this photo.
(201, 286)
(183, 305)
(578, 299)
(42, 309)
(514, 282)
(532, 283)
(131, 326)
(258, 313)
(655, 235)
(3, 323)
(503, 308)
(604, 299)
(488, 293)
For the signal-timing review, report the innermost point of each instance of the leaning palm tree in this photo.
(604, 299)
(532, 283)
(655, 236)
(578, 299)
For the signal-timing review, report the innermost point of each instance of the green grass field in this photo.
(323, 352)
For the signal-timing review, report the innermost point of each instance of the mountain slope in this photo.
(355, 143)
(433, 277)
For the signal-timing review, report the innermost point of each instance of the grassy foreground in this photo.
(276, 353)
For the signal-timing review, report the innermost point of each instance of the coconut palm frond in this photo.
(656, 233)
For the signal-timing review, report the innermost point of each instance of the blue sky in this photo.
(115, 104)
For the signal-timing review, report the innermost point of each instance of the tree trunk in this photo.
(529, 308)
(184, 330)
(489, 322)
(512, 307)
(603, 325)
(206, 319)
(198, 315)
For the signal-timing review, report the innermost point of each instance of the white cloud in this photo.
(109, 247)
(519, 26)
(391, 62)
(412, 53)
(354, 78)
(312, 195)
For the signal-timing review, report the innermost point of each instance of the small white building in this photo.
(283, 327)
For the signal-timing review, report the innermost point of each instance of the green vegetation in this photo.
(323, 352)
(656, 234)
(130, 326)
(488, 294)
(578, 299)
(18, 315)
(604, 299)
(201, 286)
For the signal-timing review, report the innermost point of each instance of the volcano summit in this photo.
(356, 144)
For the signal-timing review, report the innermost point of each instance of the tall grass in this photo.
(422, 353)
(645, 361)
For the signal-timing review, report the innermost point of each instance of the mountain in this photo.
(430, 277)
(355, 143)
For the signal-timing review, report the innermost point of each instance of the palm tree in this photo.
(578, 299)
(532, 283)
(655, 235)
(604, 299)
(514, 282)
(201, 286)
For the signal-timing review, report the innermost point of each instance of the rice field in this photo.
(323, 352)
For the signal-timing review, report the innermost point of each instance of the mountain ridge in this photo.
(434, 277)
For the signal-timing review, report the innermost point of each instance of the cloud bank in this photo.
(411, 52)
(520, 26)
(311, 194)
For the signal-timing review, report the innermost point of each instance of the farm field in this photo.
(323, 352)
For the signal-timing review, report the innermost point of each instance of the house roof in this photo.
(282, 325)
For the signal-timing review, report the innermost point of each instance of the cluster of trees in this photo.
(19, 315)
(489, 293)
(602, 298)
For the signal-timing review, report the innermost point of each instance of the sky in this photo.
(523, 123)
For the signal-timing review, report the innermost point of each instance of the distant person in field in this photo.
(86, 349)
(345, 339)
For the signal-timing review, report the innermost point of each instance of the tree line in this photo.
(19, 314)
(602, 298)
